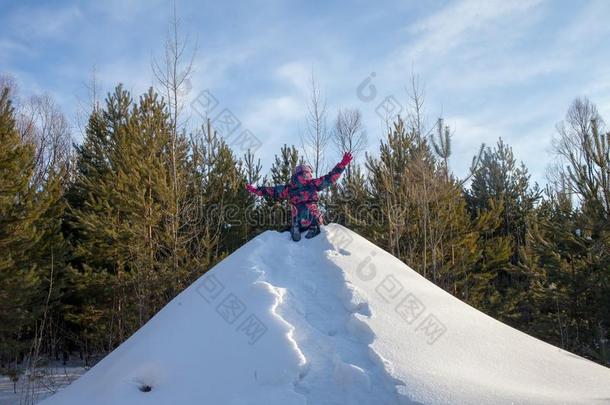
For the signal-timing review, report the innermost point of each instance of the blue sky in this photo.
(490, 68)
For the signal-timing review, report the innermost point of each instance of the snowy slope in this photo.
(332, 320)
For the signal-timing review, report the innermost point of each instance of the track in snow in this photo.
(332, 336)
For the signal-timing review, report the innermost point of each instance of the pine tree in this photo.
(571, 240)
(253, 214)
(277, 213)
(128, 218)
(423, 211)
(17, 235)
(492, 254)
(500, 182)
(96, 302)
(217, 186)
(499, 178)
(571, 290)
(349, 202)
(31, 246)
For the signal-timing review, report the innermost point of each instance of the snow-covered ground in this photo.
(47, 380)
(332, 320)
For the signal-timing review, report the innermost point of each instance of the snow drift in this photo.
(332, 320)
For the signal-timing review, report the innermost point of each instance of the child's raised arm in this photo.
(277, 192)
(331, 178)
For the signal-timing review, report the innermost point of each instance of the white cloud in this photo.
(128, 10)
(498, 68)
(274, 117)
(586, 27)
(450, 26)
(531, 147)
(469, 51)
(9, 48)
(499, 72)
(211, 69)
(44, 22)
(297, 74)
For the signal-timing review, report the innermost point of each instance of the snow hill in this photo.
(332, 320)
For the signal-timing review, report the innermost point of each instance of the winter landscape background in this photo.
(128, 131)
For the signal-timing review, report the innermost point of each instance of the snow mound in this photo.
(331, 320)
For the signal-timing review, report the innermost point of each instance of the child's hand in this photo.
(251, 188)
(347, 157)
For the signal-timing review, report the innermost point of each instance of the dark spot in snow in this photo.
(344, 252)
(145, 388)
(364, 309)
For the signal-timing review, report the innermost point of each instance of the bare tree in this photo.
(8, 81)
(349, 134)
(584, 152)
(317, 136)
(174, 70)
(33, 384)
(85, 108)
(574, 130)
(41, 123)
(173, 74)
(416, 118)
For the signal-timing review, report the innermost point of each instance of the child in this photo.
(302, 192)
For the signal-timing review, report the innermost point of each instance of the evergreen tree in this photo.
(570, 293)
(18, 283)
(253, 214)
(31, 246)
(492, 253)
(499, 182)
(571, 240)
(500, 179)
(126, 207)
(95, 301)
(423, 211)
(278, 213)
(222, 202)
(350, 203)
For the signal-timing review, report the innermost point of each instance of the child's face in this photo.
(306, 173)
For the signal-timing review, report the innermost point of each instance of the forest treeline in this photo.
(95, 238)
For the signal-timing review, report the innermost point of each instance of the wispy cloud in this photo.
(273, 118)
(10, 49)
(44, 22)
(455, 23)
(492, 68)
(297, 75)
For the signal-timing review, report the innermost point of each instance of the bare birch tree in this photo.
(584, 151)
(172, 74)
(316, 137)
(41, 123)
(174, 70)
(349, 134)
